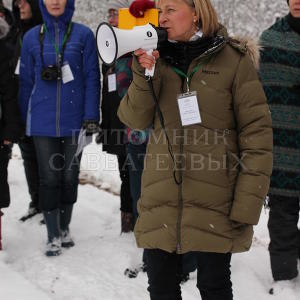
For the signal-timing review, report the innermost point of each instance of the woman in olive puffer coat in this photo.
(223, 161)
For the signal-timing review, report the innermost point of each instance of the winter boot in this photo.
(283, 287)
(54, 241)
(127, 222)
(65, 219)
(32, 211)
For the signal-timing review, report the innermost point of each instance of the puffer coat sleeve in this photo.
(255, 143)
(92, 75)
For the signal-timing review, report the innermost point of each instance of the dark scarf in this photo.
(181, 54)
(294, 23)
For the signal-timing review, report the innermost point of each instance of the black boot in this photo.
(65, 219)
(52, 223)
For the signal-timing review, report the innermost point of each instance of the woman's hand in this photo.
(145, 60)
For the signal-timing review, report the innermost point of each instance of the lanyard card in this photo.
(112, 82)
(17, 70)
(189, 108)
(67, 74)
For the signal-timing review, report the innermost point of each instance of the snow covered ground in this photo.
(94, 268)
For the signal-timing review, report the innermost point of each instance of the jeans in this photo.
(31, 169)
(135, 160)
(58, 171)
(213, 275)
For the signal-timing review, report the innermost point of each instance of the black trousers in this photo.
(213, 275)
(125, 195)
(31, 169)
(285, 237)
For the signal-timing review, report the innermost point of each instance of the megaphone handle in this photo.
(147, 71)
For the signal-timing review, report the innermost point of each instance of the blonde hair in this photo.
(206, 15)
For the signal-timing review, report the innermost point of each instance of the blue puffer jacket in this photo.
(52, 108)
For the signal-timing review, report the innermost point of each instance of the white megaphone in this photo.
(113, 43)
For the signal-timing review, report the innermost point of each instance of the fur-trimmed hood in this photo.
(244, 45)
(4, 28)
(247, 45)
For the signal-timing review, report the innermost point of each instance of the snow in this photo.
(94, 268)
(14, 286)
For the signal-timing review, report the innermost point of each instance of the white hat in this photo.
(116, 4)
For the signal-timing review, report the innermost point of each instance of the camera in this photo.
(51, 73)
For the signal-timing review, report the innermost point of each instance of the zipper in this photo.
(180, 200)
(58, 92)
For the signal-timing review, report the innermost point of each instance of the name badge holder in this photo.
(189, 108)
(17, 70)
(67, 74)
(112, 82)
(188, 102)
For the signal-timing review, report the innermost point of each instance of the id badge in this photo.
(67, 74)
(189, 108)
(112, 82)
(17, 70)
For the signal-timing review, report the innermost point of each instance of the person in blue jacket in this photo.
(59, 96)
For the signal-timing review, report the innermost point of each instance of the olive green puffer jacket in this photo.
(224, 162)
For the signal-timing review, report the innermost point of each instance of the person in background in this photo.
(116, 80)
(209, 156)
(59, 96)
(27, 15)
(10, 123)
(280, 76)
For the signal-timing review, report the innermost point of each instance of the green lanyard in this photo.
(189, 76)
(67, 34)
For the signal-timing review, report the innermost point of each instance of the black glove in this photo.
(100, 137)
(91, 126)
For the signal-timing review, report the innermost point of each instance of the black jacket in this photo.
(11, 36)
(10, 124)
(112, 128)
(21, 27)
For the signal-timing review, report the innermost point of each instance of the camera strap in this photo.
(61, 53)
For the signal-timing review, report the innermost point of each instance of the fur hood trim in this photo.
(247, 45)
(4, 28)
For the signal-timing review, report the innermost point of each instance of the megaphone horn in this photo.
(107, 44)
(113, 43)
